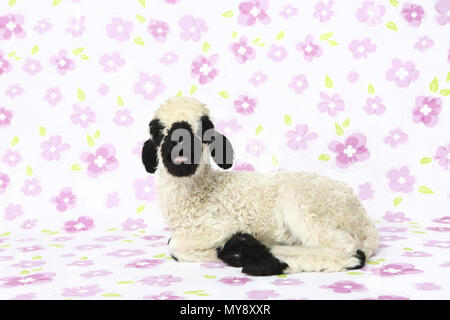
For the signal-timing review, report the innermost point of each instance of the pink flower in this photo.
(288, 11)
(35, 278)
(81, 263)
(361, 48)
(323, 11)
(262, 294)
(11, 24)
(83, 223)
(400, 180)
(5, 66)
(96, 273)
(51, 149)
(164, 280)
(42, 26)
(413, 14)
(76, 27)
(255, 147)
(149, 86)
(365, 191)
(111, 62)
(287, 282)
(242, 51)
(439, 229)
(62, 62)
(214, 265)
(11, 158)
(30, 248)
(31, 187)
(427, 110)
(25, 296)
(252, 11)
(392, 229)
(351, 151)
(442, 156)
(90, 246)
(309, 49)
(423, 43)
(277, 53)
(352, 77)
(103, 160)
(397, 217)
(123, 118)
(112, 200)
(257, 78)
(125, 253)
(299, 83)
(345, 287)
(65, 199)
(152, 237)
(416, 254)
(5, 117)
(428, 286)
(169, 58)
(32, 66)
(13, 211)
(228, 128)
(391, 238)
(144, 263)
(53, 96)
(4, 182)
(395, 269)
(119, 29)
(235, 281)
(158, 30)
(133, 224)
(445, 219)
(84, 291)
(25, 264)
(374, 106)
(82, 116)
(437, 244)
(14, 90)
(370, 13)
(166, 295)
(103, 89)
(298, 138)
(331, 105)
(396, 137)
(192, 28)
(245, 105)
(402, 73)
(145, 189)
(202, 68)
(243, 166)
(442, 7)
(386, 297)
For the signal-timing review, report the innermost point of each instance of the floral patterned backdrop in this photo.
(356, 90)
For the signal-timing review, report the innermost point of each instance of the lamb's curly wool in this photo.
(308, 221)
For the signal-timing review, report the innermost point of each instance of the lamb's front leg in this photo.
(200, 247)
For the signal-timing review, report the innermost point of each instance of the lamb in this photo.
(264, 223)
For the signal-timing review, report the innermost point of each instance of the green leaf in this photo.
(5, 234)
(77, 50)
(179, 93)
(408, 249)
(24, 272)
(83, 258)
(159, 255)
(328, 82)
(425, 160)
(141, 19)
(90, 141)
(370, 89)
(287, 119)
(112, 295)
(355, 273)
(193, 89)
(36, 258)
(434, 85)
(97, 134)
(193, 292)
(346, 123)
(75, 167)
(80, 95)
(35, 50)
(280, 35)
(112, 229)
(119, 101)
(326, 36)
(391, 25)
(227, 14)
(125, 282)
(372, 262)
(324, 157)
(339, 130)
(56, 2)
(38, 269)
(256, 40)
(275, 161)
(84, 57)
(425, 190)
(15, 141)
(394, 3)
(142, 2)
(448, 76)
(259, 129)
(224, 94)
(29, 171)
(444, 92)
(42, 131)
(209, 277)
(139, 41)
(397, 201)
(205, 47)
(234, 34)
(140, 208)
(333, 43)
(11, 54)
(12, 3)
(283, 276)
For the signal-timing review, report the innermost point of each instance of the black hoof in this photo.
(234, 249)
(362, 260)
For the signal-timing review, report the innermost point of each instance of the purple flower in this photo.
(257, 78)
(402, 73)
(243, 166)
(235, 281)
(396, 137)
(299, 83)
(298, 138)
(309, 49)
(245, 105)
(437, 244)
(84, 291)
(361, 48)
(374, 106)
(82, 116)
(252, 11)
(169, 58)
(96, 273)
(192, 28)
(13, 211)
(400, 180)
(31, 187)
(62, 62)
(391, 238)
(445, 219)
(24, 296)
(442, 7)
(428, 286)
(145, 189)
(4, 182)
(332, 105)
(392, 229)
(103, 160)
(103, 89)
(111, 62)
(123, 118)
(277, 53)
(35, 278)
(65, 200)
(164, 280)
(351, 151)
(370, 13)
(11, 24)
(125, 253)
(442, 156)
(32, 66)
(439, 229)
(365, 191)
(51, 149)
(288, 11)
(416, 254)
(83, 223)
(53, 96)
(287, 282)
(30, 248)
(352, 77)
(166, 295)
(149, 86)
(345, 287)
(42, 26)
(144, 263)
(427, 110)
(255, 147)
(323, 11)
(158, 30)
(5, 117)
(242, 52)
(386, 297)
(5, 66)
(423, 43)
(395, 217)
(395, 269)
(133, 224)
(262, 294)
(202, 68)
(228, 128)
(11, 157)
(119, 29)
(90, 246)
(14, 90)
(81, 263)
(112, 200)
(412, 13)
(76, 27)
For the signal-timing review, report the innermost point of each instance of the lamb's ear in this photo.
(220, 147)
(150, 148)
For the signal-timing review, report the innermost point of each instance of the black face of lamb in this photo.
(181, 150)
(150, 148)
(243, 250)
